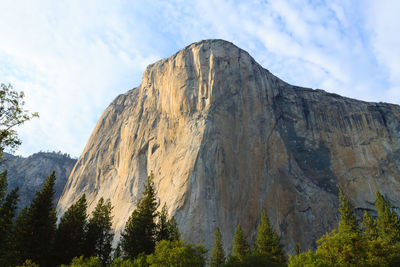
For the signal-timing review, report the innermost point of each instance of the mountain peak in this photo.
(226, 140)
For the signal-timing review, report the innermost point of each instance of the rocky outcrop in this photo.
(226, 139)
(29, 174)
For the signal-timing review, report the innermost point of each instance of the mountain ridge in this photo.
(30, 173)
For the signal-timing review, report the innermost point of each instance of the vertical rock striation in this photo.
(226, 139)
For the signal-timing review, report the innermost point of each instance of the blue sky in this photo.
(72, 58)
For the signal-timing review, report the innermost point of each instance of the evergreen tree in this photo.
(70, 233)
(8, 205)
(140, 231)
(99, 234)
(173, 230)
(166, 229)
(162, 225)
(297, 249)
(387, 221)
(370, 228)
(218, 254)
(35, 227)
(3, 185)
(348, 220)
(345, 246)
(267, 242)
(240, 246)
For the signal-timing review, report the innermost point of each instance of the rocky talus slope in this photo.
(30, 173)
(226, 139)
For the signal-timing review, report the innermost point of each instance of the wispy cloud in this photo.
(73, 57)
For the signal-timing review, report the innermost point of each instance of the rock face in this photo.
(30, 173)
(226, 139)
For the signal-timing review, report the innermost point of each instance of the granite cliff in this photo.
(226, 139)
(30, 173)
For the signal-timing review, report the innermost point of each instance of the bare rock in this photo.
(29, 174)
(226, 139)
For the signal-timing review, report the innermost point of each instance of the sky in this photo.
(72, 58)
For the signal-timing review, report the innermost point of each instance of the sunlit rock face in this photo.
(30, 173)
(226, 139)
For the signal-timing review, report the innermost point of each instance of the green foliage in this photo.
(140, 231)
(99, 234)
(166, 229)
(8, 205)
(387, 222)
(218, 254)
(141, 261)
(377, 245)
(35, 227)
(162, 225)
(342, 248)
(297, 249)
(348, 221)
(267, 242)
(307, 259)
(381, 253)
(11, 114)
(370, 227)
(177, 253)
(240, 246)
(123, 263)
(3, 185)
(71, 230)
(173, 230)
(84, 262)
(29, 263)
(250, 260)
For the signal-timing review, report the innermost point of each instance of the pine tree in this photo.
(348, 221)
(370, 228)
(240, 247)
(267, 242)
(8, 205)
(35, 227)
(218, 254)
(173, 231)
(345, 246)
(99, 234)
(162, 225)
(297, 249)
(3, 185)
(387, 222)
(166, 229)
(140, 230)
(71, 230)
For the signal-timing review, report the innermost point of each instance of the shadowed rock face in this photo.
(226, 139)
(29, 174)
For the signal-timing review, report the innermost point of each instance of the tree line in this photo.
(149, 238)
(33, 238)
(376, 242)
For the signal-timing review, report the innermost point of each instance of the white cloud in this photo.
(73, 57)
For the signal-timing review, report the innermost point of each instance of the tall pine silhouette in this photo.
(139, 235)
(8, 205)
(99, 234)
(387, 222)
(35, 227)
(240, 246)
(217, 254)
(69, 239)
(267, 242)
